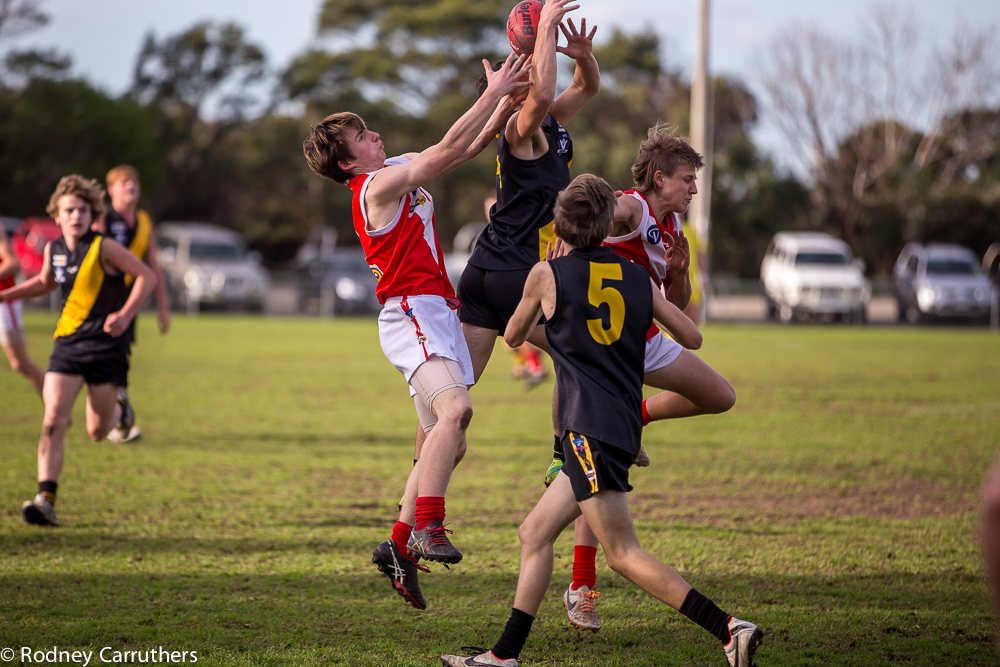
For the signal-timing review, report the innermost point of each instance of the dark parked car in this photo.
(940, 281)
(340, 283)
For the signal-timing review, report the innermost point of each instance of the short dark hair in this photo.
(662, 152)
(584, 211)
(329, 144)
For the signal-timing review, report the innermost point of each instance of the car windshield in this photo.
(823, 258)
(218, 251)
(950, 267)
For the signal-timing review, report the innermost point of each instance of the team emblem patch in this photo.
(653, 236)
(59, 268)
(119, 229)
(377, 271)
(563, 144)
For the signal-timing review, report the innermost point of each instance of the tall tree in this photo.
(20, 16)
(878, 126)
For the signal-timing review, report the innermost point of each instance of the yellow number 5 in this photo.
(597, 293)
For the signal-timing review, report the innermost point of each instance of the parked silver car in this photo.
(940, 281)
(208, 265)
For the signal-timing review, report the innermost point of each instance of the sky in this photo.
(104, 36)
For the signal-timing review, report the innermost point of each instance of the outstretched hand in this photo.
(510, 78)
(678, 253)
(553, 12)
(579, 45)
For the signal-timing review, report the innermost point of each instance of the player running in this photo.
(598, 307)
(90, 344)
(418, 328)
(11, 325)
(647, 231)
(132, 227)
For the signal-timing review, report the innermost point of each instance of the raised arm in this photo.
(586, 78)
(393, 182)
(521, 129)
(679, 325)
(539, 290)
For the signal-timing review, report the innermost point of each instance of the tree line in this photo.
(217, 134)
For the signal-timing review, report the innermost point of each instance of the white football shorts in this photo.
(11, 327)
(661, 351)
(411, 329)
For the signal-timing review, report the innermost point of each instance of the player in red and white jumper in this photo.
(418, 328)
(11, 325)
(647, 231)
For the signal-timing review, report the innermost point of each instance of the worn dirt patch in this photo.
(903, 499)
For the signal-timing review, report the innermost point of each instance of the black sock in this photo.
(703, 611)
(48, 489)
(514, 635)
(557, 452)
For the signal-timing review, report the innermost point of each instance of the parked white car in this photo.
(208, 265)
(811, 275)
(940, 281)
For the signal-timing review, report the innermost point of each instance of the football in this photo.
(522, 26)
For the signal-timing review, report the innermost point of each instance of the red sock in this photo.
(429, 508)
(645, 415)
(400, 535)
(532, 360)
(584, 566)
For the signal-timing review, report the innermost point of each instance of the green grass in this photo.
(836, 505)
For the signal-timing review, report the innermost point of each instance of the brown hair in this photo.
(584, 211)
(87, 189)
(120, 172)
(328, 145)
(662, 152)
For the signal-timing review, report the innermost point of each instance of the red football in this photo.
(522, 26)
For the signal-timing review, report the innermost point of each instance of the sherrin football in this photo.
(522, 26)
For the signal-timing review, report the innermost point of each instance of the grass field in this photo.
(836, 505)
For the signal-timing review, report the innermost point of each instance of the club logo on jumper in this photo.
(653, 236)
(418, 199)
(377, 271)
(119, 229)
(563, 147)
(59, 268)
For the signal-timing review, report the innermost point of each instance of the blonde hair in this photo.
(87, 189)
(329, 144)
(663, 152)
(584, 211)
(120, 172)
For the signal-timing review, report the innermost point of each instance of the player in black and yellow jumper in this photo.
(598, 307)
(132, 227)
(89, 347)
